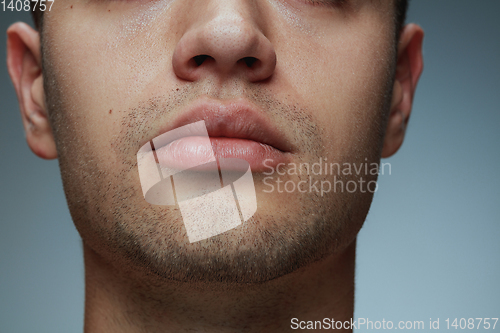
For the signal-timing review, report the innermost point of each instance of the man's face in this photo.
(119, 73)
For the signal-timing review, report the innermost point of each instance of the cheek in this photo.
(108, 61)
(343, 80)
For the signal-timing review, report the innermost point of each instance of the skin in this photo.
(332, 80)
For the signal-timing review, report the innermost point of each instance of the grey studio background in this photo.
(430, 246)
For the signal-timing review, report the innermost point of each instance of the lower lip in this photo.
(189, 151)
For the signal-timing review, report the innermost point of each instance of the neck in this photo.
(118, 302)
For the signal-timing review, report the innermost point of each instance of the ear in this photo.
(408, 69)
(24, 62)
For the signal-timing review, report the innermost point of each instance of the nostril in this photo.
(200, 59)
(249, 61)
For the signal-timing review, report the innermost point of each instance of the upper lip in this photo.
(235, 119)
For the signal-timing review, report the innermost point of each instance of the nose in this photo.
(227, 42)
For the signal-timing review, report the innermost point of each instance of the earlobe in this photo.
(408, 70)
(25, 70)
(396, 124)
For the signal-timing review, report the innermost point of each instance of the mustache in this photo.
(147, 116)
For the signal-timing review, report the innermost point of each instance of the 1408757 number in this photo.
(26, 5)
(471, 323)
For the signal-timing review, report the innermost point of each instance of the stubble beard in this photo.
(114, 220)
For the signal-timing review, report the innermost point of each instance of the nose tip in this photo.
(225, 46)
